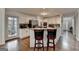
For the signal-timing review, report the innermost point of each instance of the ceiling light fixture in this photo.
(44, 13)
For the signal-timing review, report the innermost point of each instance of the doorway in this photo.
(12, 27)
(68, 24)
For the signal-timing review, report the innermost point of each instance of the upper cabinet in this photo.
(53, 21)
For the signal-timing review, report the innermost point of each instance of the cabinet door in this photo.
(27, 32)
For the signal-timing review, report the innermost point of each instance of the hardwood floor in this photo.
(25, 45)
(66, 43)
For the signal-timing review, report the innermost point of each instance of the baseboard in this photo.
(25, 37)
(12, 39)
(77, 38)
(2, 45)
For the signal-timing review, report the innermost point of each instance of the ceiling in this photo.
(50, 11)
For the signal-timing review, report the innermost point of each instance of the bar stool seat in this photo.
(51, 37)
(38, 39)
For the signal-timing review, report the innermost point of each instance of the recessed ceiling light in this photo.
(44, 12)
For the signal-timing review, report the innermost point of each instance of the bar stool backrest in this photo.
(51, 33)
(51, 36)
(38, 34)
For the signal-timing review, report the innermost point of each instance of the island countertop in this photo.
(42, 28)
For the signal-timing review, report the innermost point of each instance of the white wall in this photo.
(75, 20)
(2, 26)
(77, 25)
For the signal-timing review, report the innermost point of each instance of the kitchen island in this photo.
(32, 37)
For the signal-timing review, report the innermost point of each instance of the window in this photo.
(12, 25)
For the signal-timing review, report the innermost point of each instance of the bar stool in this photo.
(51, 37)
(38, 39)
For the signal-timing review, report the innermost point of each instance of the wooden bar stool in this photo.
(51, 37)
(39, 39)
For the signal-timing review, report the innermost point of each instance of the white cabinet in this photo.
(53, 20)
(24, 33)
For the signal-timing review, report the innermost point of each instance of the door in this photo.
(12, 27)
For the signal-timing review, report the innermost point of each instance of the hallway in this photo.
(67, 43)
